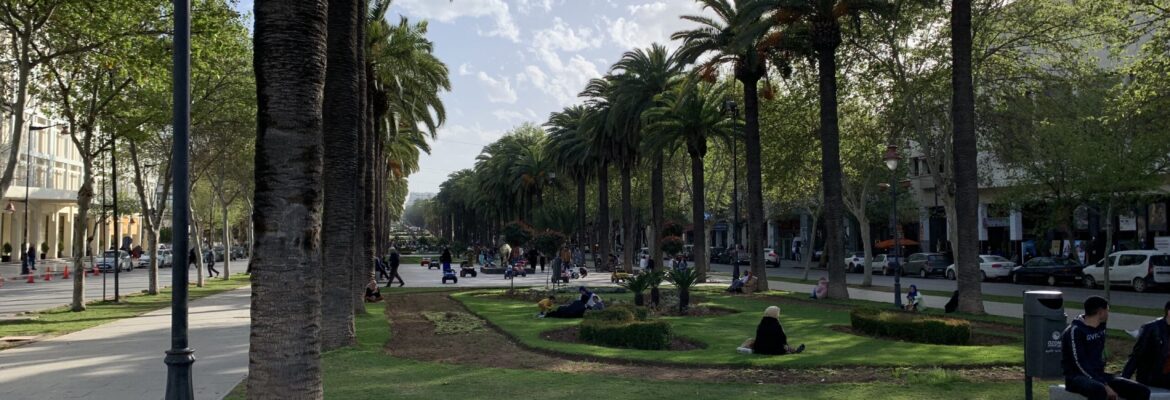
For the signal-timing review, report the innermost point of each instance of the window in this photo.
(1160, 261)
(995, 259)
(1131, 260)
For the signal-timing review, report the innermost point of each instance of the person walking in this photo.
(32, 257)
(395, 260)
(210, 260)
(381, 268)
(192, 258)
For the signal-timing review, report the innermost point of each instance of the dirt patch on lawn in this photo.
(570, 335)
(977, 339)
(413, 337)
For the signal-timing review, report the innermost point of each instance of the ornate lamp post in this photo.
(891, 158)
(180, 356)
(729, 107)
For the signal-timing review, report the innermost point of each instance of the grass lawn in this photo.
(366, 372)
(808, 324)
(1069, 304)
(59, 321)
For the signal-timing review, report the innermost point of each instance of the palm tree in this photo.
(965, 162)
(570, 151)
(342, 127)
(690, 113)
(605, 146)
(739, 36)
(820, 19)
(639, 76)
(290, 61)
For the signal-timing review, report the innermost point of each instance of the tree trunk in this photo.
(24, 70)
(84, 198)
(1108, 246)
(965, 161)
(812, 245)
(603, 239)
(867, 245)
(831, 166)
(629, 227)
(657, 200)
(341, 128)
(755, 195)
(290, 59)
(227, 245)
(698, 218)
(198, 236)
(581, 211)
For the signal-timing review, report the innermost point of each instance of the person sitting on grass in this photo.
(913, 299)
(373, 294)
(770, 338)
(595, 303)
(821, 290)
(737, 284)
(546, 304)
(586, 295)
(576, 309)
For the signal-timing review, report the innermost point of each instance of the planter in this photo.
(5, 258)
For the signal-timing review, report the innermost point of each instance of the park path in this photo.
(124, 359)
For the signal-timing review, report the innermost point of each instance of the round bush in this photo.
(911, 327)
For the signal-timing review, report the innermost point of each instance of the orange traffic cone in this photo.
(48, 273)
(95, 271)
(31, 278)
(65, 275)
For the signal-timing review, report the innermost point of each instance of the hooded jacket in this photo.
(1149, 354)
(1082, 349)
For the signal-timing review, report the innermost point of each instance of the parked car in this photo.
(1050, 270)
(1140, 269)
(165, 259)
(990, 267)
(927, 264)
(111, 259)
(771, 257)
(715, 254)
(238, 253)
(855, 262)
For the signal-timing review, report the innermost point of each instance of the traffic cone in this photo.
(31, 278)
(48, 273)
(65, 275)
(95, 271)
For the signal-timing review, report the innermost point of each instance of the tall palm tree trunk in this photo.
(827, 35)
(629, 228)
(290, 58)
(603, 238)
(698, 219)
(342, 125)
(581, 210)
(657, 198)
(965, 163)
(755, 194)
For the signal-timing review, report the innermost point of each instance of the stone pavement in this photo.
(1116, 320)
(124, 359)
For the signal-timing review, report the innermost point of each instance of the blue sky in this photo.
(513, 61)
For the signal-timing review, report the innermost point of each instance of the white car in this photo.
(855, 261)
(1141, 269)
(878, 264)
(990, 267)
(771, 258)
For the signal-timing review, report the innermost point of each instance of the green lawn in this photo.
(808, 324)
(60, 320)
(366, 372)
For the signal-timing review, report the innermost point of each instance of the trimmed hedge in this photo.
(643, 335)
(911, 327)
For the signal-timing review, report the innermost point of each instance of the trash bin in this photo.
(1044, 321)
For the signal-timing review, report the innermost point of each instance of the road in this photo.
(1121, 296)
(18, 296)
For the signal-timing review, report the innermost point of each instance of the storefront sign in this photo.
(1127, 222)
(1162, 243)
(1158, 217)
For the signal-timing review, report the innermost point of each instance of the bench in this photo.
(750, 286)
(1057, 392)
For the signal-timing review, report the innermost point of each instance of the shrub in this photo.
(911, 327)
(517, 233)
(7, 248)
(637, 284)
(619, 313)
(644, 335)
(671, 228)
(548, 242)
(683, 279)
(672, 245)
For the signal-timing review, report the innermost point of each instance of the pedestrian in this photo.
(32, 257)
(210, 260)
(542, 260)
(1150, 359)
(395, 260)
(1082, 347)
(192, 258)
(381, 268)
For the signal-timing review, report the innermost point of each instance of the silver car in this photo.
(114, 259)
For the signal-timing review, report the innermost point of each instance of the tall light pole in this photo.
(891, 158)
(730, 107)
(180, 357)
(27, 184)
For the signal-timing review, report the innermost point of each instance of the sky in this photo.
(516, 61)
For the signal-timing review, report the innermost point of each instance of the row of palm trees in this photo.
(649, 101)
(346, 103)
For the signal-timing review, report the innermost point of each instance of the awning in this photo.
(888, 243)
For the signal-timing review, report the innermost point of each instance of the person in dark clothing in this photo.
(395, 260)
(372, 293)
(585, 294)
(533, 257)
(192, 258)
(1082, 346)
(32, 257)
(770, 338)
(445, 259)
(1150, 358)
(576, 309)
(381, 268)
(209, 258)
(542, 260)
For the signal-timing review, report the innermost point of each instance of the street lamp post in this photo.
(891, 158)
(730, 107)
(180, 356)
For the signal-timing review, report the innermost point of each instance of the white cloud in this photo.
(498, 90)
(449, 11)
(527, 6)
(465, 69)
(508, 115)
(554, 75)
(651, 23)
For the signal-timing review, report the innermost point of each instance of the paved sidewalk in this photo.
(124, 359)
(1116, 320)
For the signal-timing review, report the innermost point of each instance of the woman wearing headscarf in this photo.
(913, 298)
(770, 338)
